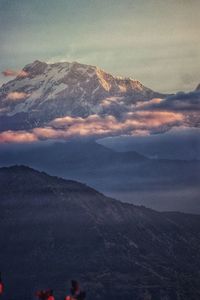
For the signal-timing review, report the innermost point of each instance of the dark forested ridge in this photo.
(53, 230)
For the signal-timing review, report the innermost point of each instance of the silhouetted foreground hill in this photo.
(53, 230)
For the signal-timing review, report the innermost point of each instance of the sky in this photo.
(154, 41)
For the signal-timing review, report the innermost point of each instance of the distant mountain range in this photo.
(43, 92)
(53, 230)
(129, 176)
(175, 144)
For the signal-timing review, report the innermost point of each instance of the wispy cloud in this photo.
(186, 102)
(13, 73)
(9, 73)
(16, 96)
(151, 102)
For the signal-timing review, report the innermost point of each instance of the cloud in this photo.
(16, 96)
(137, 123)
(46, 133)
(92, 125)
(13, 73)
(134, 119)
(17, 137)
(97, 125)
(9, 73)
(151, 102)
(186, 102)
(22, 74)
(153, 119)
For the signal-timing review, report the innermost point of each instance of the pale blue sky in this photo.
(155, 41)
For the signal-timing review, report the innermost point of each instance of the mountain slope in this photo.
(42, 92)
(54, 230)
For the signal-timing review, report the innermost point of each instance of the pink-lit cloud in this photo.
(110, 100)
(9, 73)
(153, 101)
(22, 74)
(140, 120)
(152, 119)
(45, 133)
(137, 123)
(17, 137)
(16, 96)
(13, 73)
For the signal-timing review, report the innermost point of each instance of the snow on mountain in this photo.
(54, 90)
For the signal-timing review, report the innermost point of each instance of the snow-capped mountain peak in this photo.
(57, 89)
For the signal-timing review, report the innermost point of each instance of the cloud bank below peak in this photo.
(135, 123)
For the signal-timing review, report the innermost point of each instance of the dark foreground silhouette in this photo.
(1, 286)
(75, 292)
(53, 230)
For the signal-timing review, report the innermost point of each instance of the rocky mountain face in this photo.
(53, 230)
(42, 92)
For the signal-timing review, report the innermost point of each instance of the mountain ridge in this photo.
(129, 177)
(54, 229)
